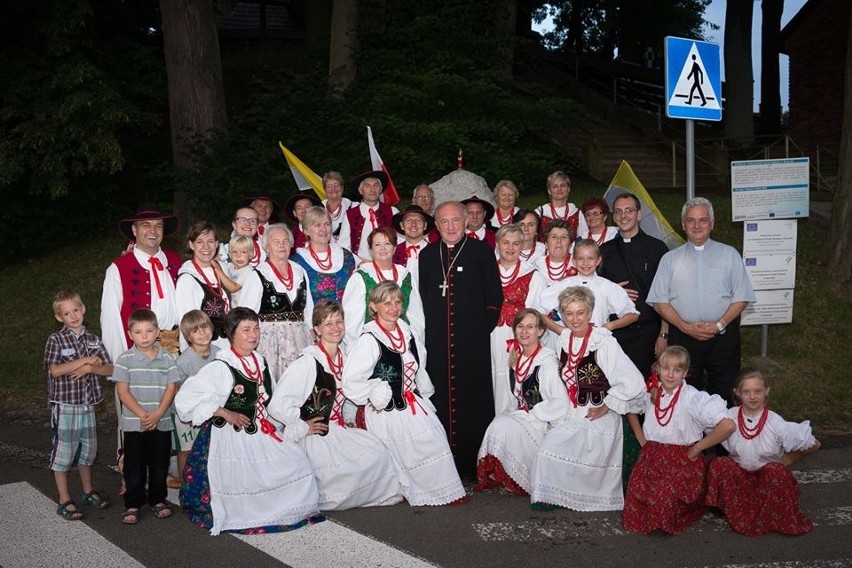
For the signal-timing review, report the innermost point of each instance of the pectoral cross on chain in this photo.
(443, 288)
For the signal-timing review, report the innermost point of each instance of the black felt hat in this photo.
(146, 212)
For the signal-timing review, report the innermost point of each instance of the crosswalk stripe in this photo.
(341, 547)
(28, 516)
(29, 521)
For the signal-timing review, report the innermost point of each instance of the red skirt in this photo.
(757, 502)
(490, 473)
(666, 490)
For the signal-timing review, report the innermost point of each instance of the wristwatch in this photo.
(664, 335)
(720, 327)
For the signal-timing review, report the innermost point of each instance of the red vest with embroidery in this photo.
(514, 298)
(384, 214)
(136, 284)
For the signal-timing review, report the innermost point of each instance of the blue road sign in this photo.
(693, 79)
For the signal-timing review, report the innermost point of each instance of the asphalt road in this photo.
(494, 529)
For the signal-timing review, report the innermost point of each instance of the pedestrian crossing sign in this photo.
(693, 79)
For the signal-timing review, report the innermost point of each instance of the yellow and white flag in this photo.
(305, 177)
(653, 222)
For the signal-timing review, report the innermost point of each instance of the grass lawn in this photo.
(808, 361)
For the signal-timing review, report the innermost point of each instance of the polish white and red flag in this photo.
(390, 194)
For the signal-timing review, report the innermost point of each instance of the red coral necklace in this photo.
(752, 433)
(664, 415)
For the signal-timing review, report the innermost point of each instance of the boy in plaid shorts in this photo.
(75, 359)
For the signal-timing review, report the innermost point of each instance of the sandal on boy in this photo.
(130, 516)
(162, 510)
(93, 499)
(69, 514)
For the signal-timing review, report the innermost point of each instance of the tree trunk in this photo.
(505, 23)
(343, 44)
(840, 231)
(576, 41)
(770, 76)
(196, 94)
(739, 77)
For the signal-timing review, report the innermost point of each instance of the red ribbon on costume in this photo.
(267, 428)
(156, 266)
(411, 251)
(512, 343)
(412, 402)
(373, 218)
(260, 230)
(472, 235)
(336, 409)
(653, 381)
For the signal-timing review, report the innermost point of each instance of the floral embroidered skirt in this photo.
(756, 502)
(666, 490)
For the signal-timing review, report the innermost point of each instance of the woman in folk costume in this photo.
(505, 194)
(356, 296)
(202, 284)
(327, 264)
(278, 293)
(335, 203)
(595, 211)
(383, 376)
(556, 264)
(754, 486)
(666, 488)
(352, 467)
(512, 440)
(521, 287)
(529, 222)
(241, 476)
(558, 188)
(579, 463)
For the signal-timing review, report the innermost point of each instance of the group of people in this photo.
(361, 355)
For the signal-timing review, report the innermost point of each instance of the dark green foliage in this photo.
(599, 26)
(427, 84)
(78, 84)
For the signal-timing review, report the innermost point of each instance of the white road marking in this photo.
(563, 528)
(823, 475)
(28, 516)
(331, 544)
(29, 520)
(834, 563)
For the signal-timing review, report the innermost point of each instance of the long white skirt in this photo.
(353, 469)
(578, 465)
(514, 441)
(418, 444)
(256, 481)
(504, 402)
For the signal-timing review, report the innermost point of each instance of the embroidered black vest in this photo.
(592, 384)
(321, 400)
(214, 306)
(243, 398)
(529, 388)
(389, 368)
(276, 306)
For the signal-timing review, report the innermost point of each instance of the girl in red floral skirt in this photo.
(754, 487)
(666, 488)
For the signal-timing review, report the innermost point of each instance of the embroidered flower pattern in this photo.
(239, 389)
(386, 373)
